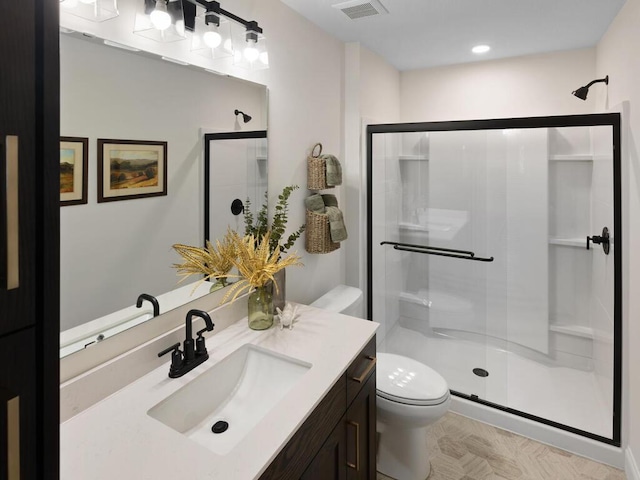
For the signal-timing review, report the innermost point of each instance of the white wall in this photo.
(111, 252)
(514, 87)
(372, 95)
(617, 57)
(305, 106)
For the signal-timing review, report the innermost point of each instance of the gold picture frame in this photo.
(73, 170)
(130, 169)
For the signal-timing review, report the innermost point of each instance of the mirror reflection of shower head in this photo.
(582, 92)
(246, 118)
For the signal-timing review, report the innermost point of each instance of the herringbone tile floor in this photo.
(464, 449)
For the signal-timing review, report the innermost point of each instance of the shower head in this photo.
(582, 92)
(246, 118)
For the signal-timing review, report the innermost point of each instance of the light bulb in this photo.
(251, 54)
(160, 18)
(212, 39)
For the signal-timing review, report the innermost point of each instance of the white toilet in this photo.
(410, 397)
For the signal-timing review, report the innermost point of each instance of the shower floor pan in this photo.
(564, 395)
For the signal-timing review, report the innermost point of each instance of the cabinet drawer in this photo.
(360, 370)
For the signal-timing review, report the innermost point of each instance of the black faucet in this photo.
(192, 355)
(152, 299)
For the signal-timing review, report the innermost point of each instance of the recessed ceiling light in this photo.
(481, 49)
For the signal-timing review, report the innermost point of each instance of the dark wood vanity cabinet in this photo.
(338, 439)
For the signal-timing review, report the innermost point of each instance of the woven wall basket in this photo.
(317, 170)
(318, 234)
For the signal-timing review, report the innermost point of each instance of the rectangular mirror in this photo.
(113, 252)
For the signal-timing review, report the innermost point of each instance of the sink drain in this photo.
(220, 426)
(481, 372)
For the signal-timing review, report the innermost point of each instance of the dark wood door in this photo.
(29, 239)
(361, 433)
(330, 462)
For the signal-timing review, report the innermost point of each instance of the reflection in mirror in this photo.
(235, 171)
(113, 252)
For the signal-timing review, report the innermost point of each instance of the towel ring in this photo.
(314, 149)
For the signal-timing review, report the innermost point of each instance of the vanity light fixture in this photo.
(169, 20)
(94, 10)
(250, 48)
(212, 33)
(582, 92)
(245, 118)
(160, 20)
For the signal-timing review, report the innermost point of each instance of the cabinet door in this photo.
(330, 461)
(17, 406)
(18, 172)
(361, 433)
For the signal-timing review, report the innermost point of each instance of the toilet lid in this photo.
(404, 380)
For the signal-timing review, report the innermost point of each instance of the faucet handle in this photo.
(174, 348)
(176, 358)
(201, 348)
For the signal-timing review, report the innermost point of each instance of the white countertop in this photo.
(116, 439)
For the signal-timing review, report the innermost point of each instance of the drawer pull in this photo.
(372, 363)
(12, 226)
(355, 466)
(13, 438)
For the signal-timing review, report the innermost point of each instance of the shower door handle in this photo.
(602, 239)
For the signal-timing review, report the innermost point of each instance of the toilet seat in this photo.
(404, 380)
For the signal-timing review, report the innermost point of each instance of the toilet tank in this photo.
(342, 299)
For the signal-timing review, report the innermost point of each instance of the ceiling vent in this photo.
(356, 9)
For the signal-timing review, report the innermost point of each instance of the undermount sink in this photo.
(239, 390)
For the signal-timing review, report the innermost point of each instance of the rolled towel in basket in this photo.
(315, 203)
(329, 200)
(337, 228)
(334, 170)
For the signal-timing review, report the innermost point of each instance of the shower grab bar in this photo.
(437, 251)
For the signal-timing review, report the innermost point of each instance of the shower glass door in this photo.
(479, 265)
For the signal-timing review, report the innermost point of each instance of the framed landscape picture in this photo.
(129, 169)
(73, 170)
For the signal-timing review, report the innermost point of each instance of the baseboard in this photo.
(630, 466)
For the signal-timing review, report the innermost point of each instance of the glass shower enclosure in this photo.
(495, 258)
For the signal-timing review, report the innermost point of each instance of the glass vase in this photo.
(279, 289)
(218, 284)
(260, 305)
